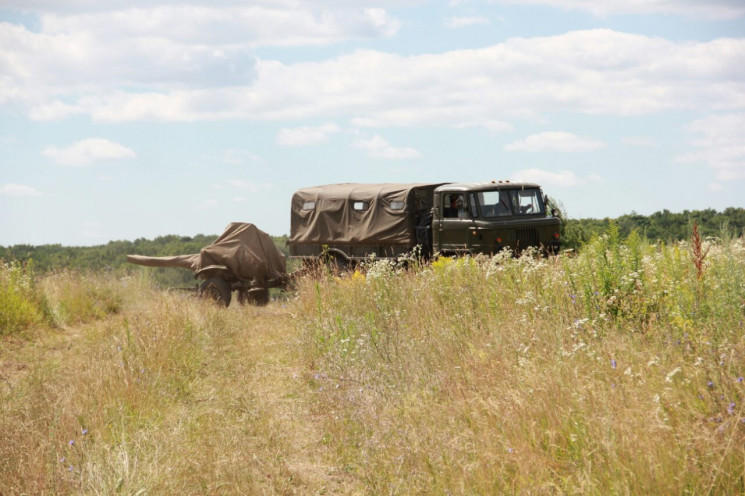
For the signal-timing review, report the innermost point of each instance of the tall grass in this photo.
(618, 371)
(614, 371)
(28, 301)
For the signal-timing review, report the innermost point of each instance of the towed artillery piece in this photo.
(243, 259)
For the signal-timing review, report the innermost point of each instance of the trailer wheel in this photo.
(257, 296)
(216, 289)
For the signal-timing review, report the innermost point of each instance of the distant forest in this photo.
(660, 226)
(663, 226)
(111, 257)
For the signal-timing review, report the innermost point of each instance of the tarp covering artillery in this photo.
(380, 214)
(248, 253)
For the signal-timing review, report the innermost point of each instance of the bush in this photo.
(22, 305)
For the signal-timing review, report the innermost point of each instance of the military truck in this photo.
(344, 223)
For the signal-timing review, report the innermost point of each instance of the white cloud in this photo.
(245, 185)
(12, 189)
(88, 152)
(162, 48)
(554, 141)
(378, 147)
(249, 186)
(708, 9)
(86, 65)
(566, 179)
(236, 157)
(267, 24)
(304, 136)
(491, 126)
(714, 187)
(721, 145)
(640, 141)
(466, 21)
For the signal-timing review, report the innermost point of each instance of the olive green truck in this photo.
(350, 222)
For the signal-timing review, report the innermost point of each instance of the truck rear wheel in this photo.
(216, 289)
(335, 262)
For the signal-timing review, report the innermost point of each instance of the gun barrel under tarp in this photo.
(190, 262)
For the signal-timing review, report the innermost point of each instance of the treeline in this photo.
(660, 226)
(665, 226)
(112, 257)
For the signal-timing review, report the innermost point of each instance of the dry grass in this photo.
(618, 371)
(173, 396)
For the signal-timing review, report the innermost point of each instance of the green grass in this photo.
(614, 371)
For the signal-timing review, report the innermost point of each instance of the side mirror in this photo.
(554, 212)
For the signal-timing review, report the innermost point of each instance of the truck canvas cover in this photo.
(359, 214)
(245, 250)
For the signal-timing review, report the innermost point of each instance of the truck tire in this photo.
(257, 296)
(216, 289)
(335, 262)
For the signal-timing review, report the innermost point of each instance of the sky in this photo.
(132, 119)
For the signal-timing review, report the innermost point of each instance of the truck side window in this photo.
(455, 208)
(360, 205)
(309, 205)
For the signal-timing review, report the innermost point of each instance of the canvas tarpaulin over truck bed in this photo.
(247, 252)
(387, 213)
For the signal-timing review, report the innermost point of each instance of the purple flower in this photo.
(710, 384)
(510, 450)
(731, 408)
(739, 379)
(72, 442)
(85, 431)
(613, 364)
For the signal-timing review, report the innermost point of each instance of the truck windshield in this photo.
(503, 203)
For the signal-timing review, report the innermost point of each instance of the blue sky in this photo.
(129, 119)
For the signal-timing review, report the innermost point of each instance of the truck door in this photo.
(455, 223)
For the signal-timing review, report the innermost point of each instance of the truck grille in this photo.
(526, 237)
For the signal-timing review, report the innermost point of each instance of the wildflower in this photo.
(672, 374)
(739, 379)
(613, 364)
(72, 442)
(731, 408)
(710, 384)
(510, 450)
(85, 432)
(70, 469)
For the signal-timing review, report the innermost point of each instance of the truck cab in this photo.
(469, 218)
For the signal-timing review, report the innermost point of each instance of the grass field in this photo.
(618, 370)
